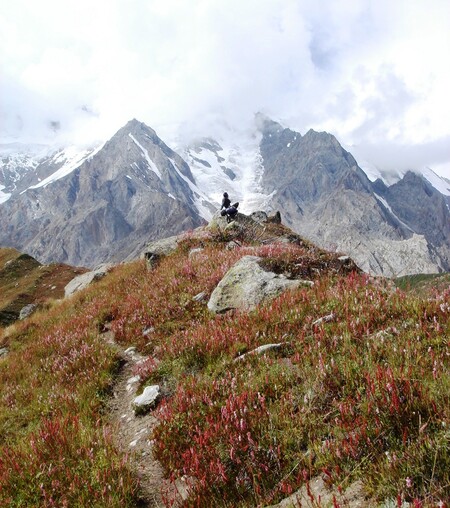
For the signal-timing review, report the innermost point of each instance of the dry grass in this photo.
(23, 280)
(363, 396)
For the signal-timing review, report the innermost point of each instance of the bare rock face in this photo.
(246, 285)
(326, 197)
(135, 188)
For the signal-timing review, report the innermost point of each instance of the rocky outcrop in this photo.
(247, 285)
(82, 281)
(417, 204)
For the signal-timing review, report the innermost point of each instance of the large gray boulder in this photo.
(246, 285)
(82, 281)
(154, 251)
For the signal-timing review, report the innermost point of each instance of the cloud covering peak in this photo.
(363, 70)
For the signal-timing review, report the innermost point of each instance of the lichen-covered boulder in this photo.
(246, 285)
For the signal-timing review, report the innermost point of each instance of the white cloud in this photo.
(372, 73)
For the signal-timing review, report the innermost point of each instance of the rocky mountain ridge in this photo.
(135, 188)
(326, 197)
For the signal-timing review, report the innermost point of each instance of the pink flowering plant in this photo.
(363, 394)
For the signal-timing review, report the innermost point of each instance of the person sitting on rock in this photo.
(226, 202)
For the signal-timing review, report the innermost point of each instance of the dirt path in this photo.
(133, 433)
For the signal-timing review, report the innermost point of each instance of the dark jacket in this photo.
(226, 202)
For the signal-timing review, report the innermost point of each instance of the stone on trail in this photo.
(147, 399)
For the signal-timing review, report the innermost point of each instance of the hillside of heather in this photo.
(361, 396)
(25, 281)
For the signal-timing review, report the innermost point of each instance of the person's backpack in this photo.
(231, 211)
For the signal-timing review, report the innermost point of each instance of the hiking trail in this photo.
(133, 433)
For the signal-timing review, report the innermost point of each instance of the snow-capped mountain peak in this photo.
(223, 166)
(24, 167)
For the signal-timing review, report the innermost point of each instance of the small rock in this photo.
(147, 399)
(275, 218)
(133, 443)
(324, 319)
(158, 249)
(132, 381)
(27, 310)
(82, 281)
(318, 493)
(131, 350)
(152, 259)
(147, 331)
(233, 244)
(201, 297)
(182, 487)
(261, 349)
(3, 351)
(259, 217)
(193, 252)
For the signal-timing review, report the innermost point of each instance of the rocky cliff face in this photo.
(327, 198)
(104, 205)
(133, 189)
(423, 209)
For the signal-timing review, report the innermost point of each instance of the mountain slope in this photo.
(32, 166)
(133, 189)
(232, 166)
(326, 197)
(73, 206)
(24, 281)
(354, 393)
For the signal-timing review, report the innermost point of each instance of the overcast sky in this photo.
(376, 73)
